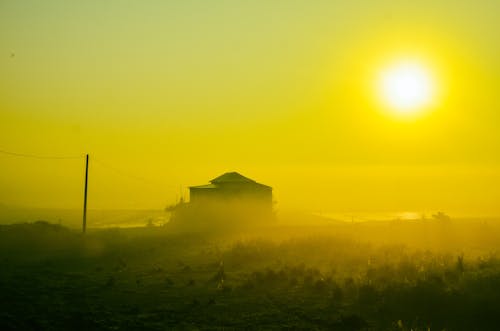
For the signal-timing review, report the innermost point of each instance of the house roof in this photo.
(201, 187)
(231, 177)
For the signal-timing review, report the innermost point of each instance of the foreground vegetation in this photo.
(52, 278)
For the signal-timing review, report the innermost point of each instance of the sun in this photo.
(406, 87)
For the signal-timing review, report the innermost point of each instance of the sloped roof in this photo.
(231, 177)
(208, 186)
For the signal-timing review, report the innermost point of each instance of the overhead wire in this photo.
(97, 161)
(129, 175)
(121, 172)
(43, 157)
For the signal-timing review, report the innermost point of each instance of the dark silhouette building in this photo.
(233, 188)
(229, 202)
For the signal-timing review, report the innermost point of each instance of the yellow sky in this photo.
(177, 92)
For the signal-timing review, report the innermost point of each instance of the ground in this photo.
(54, 278)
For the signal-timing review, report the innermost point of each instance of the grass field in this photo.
(391, 276)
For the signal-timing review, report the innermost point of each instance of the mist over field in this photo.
(399, 275)
(249, 165)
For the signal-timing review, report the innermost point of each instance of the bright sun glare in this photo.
(406, 87)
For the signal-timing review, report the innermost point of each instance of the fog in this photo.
(383, 215)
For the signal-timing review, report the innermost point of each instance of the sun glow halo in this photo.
(406, 87)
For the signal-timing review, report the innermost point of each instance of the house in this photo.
(229, 202)
(232, 188)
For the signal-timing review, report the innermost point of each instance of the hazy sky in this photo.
(178, 92)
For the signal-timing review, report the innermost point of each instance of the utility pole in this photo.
(84, 229)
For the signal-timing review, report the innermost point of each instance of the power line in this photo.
(121, 172)
(43, 157)
(52, 157)
(131, 176)
(61, 157)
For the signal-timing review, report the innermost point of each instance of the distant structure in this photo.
(232, 187)
(230, 200)
(440, 216)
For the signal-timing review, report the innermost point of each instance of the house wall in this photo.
(234, 193)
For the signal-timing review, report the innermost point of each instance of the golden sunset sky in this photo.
(168, 94)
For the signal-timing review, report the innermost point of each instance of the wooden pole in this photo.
(84, 229)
